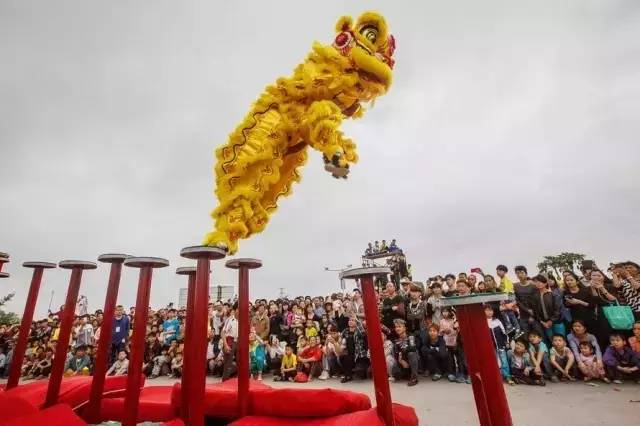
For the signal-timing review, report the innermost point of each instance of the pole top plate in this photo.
(362, 272)
(141, 262)
(203, 252)
(244, 262)
(186, 270)
(474, 299)
(37, 264)
(113, 257)
(77, 264)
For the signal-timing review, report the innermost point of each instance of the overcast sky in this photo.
(511, 132)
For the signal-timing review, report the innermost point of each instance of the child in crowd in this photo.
(289, 365)
(42, 368)
(310, 359)
(449, 330)
(274, 354)
(588, 363)
(522, 369)
(215, 357)
(500, 342)
(176, 365)
(329, 358)
(310, 329)
(562, 358)
(634, 341)
(256, 355)
(434, 352)
(303, 342)
(388, 355)
(78, 364)
(160, 364)
(406, 354)
(540, 356)
(620, 361)
(120, 366)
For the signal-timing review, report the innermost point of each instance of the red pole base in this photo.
(242, 352)
(57, 369)
(25, 326)
(132, 395)
(488, 389)
(376, 350)
(100, 366)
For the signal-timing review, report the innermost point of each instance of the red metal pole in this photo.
(57, 368)
(132, 395)
(376, 350)
(188, 343)
(197, 368)
(92, 411)
(27, 319)
(483, 367)
(242, 352)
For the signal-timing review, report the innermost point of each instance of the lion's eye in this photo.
(370, 33)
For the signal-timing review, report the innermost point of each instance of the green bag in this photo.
(619, 317)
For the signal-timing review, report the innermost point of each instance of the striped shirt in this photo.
(630, 295)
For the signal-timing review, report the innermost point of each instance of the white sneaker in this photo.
(324, 375)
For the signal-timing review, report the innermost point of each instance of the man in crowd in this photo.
(84, 332)
(171, 327)
(260, 322)
(120, 332)
(392, 306)
(525, 293)
(229, 338)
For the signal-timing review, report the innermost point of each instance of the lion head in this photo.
(369, 46)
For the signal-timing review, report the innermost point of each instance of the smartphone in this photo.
(475, 270)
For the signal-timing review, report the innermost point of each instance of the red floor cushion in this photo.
(403, 416)
(295, 402)
(155, 405)
(57, 415)
(73, 390)
(12, 407)
(221, 400)
(174, 422)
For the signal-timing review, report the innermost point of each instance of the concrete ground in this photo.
(444, 403)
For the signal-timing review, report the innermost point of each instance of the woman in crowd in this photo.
(580, 335)
(578, 299)
(353, 351)
(604, 294)
(547, 307)
(626, 279)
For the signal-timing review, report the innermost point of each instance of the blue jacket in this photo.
(120, 330)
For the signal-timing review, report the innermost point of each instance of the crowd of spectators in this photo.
(551, 328)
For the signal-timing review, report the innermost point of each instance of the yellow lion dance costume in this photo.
(263, 156)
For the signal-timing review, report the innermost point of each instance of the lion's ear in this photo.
(344, 23)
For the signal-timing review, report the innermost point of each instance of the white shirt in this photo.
(230, 328)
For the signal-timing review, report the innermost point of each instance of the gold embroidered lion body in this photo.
(263, 155)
